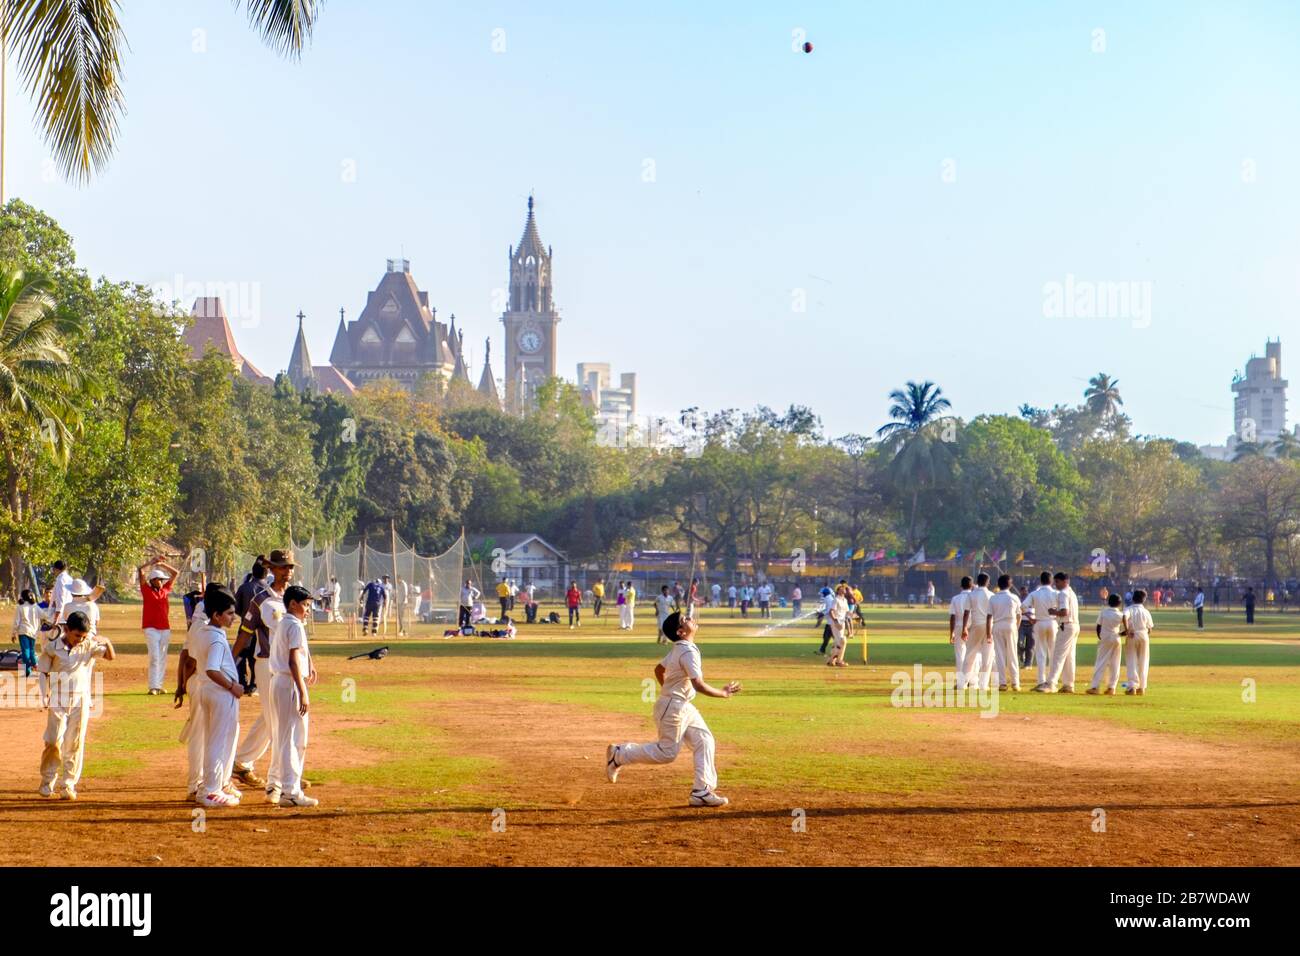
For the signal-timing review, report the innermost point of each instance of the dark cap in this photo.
(671, 623)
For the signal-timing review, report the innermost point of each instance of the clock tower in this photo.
(530, 319)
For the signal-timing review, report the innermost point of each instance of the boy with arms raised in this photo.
(680, 676)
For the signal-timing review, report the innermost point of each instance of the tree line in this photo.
(113, 436)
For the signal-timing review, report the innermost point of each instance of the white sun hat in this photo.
(80, 588)
(158, 574)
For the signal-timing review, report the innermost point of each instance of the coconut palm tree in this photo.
(918, 447)
(69, 56)
(39, 385)
(1248, 449)
(1286, 446)
(1102, 396)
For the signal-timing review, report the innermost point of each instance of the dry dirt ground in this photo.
(523, 785)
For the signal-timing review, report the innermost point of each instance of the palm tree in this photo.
(69, 55)
(919, 456)
(39, 384)
(1247, 449)
(1102, 396)
(1286, 446)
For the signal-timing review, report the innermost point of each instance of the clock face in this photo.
(530, 341)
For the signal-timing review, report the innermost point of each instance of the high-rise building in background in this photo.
(614, 408)
(1258, 404)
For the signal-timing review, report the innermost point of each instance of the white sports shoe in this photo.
(298, 800)
(611, 763)
(709, 798)
(69, 792)
(273, 794)
(219, 799)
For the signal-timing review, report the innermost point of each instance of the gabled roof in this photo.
(330, 380)
(209, 328)
(509, 541)
(395, 304)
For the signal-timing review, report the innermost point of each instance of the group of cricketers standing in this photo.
(984, 626)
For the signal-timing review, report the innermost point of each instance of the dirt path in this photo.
(1190, 803)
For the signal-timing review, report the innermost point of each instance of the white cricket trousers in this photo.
(290, 746)
(1006, 655)
(65, 742)
(1137, 659)
(192, 735)
(1105, 674)
(1063, 657)
(677, 720)
(839, 639)
(979, 657)
(259, 736)
(1044, 640)
(959, 654)
(157, 641)
(220, 710)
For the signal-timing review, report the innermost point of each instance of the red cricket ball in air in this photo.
(807, 47)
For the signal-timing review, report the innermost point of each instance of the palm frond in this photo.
(69, 55)
(285, 25)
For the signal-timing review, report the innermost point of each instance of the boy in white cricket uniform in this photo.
(1041, 601)
(291, 671)
(680, 675)
(959, 627)
(65, 666)
(1105, 673)
(838, 615)
(663, 607)
(1138, 624)
(1066, 613)
(187, 684)
(220, 690)
(979, 643)
(1004, 611)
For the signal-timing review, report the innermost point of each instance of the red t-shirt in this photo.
(575, 597)
(155, 607)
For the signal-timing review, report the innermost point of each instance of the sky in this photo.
(936, 192)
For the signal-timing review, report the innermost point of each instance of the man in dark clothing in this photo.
(254, 582)
(373, 598)
(1250, 605)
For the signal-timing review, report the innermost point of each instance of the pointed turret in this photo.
(461, 369)
(530, 243)
(300, 371)
(487, 383)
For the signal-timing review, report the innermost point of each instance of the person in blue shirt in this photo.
(373, 601)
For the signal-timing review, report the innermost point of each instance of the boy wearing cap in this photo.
(680, 676)
(65, 666)
(82, 598)
(155, 589)
(291, 671)
(1137, 649)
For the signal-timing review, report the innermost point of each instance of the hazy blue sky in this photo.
(1170, 159)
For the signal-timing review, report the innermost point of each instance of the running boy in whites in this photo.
(1105, 673)
(1138, 625)
(680, 676)
(65, 666)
